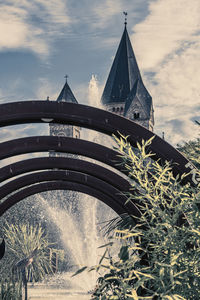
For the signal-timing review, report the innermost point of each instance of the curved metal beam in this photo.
(62, 163)
(2, 249)
(96, 119)
(109, 179)
(69, 175)
(59, 144)
(61, 185)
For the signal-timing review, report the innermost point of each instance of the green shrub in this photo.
(11, 290)
(164, 261)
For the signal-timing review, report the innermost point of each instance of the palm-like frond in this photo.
(30, 248)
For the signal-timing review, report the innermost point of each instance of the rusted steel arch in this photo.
(62, 185)
(96, 119)
(69, 175)
(59, 144)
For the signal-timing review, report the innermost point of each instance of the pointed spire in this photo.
(124, 84)
(66, 94)
(123, 74)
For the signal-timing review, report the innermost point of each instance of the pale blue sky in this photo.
(42, 40)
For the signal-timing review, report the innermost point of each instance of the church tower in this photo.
(67, 199)
(66, 95)
(124, 92)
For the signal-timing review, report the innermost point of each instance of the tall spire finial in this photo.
(66, 76)
(125, 14)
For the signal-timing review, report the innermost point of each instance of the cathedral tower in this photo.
(66, 95)
(124, 92)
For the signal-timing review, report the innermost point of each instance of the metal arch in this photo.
(93, 118)
(69, 175)
(61, 185)
(59, 144)
(2, 249)
(88, 169)
(62, 163)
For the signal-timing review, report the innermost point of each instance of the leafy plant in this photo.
(164, 261)
(191, 150)
(30, 253)
(11, 290)
(29, 243)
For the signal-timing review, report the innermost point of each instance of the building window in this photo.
(121, 108)
(113, 109)
(117, 108)
(136, 115)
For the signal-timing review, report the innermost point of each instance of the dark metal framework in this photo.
(75, 181)
(74, 174)
(78, 171)
(62, 145)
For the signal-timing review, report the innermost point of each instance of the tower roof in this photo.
(66, 94)
(139, 93)
(123, 74)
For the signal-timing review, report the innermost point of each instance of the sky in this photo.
(43, 40)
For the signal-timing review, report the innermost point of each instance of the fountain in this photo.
(81, 235)
(78, 222)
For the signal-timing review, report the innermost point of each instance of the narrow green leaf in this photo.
(79, 271)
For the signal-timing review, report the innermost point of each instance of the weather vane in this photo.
(66, 76)
(125, 14)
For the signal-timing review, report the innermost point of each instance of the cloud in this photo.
(176, 94)
(108, 13)
(167, 47)
(105, 10)
(46, 89)
(167, 27)
(31, 24)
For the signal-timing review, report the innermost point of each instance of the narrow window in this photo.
(136, 115)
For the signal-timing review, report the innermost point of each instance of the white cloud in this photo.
(30, 24)
(167, 44)
(54, 11)
(46, 89)
(177, 96)
(167, 27)
(106, 9)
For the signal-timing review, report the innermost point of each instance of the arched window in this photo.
(117, 108)
(121, 108)
(113, 109)
(136, 115)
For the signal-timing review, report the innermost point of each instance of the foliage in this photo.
(191, 150)
(164, 261)
(11, 290)
(33, 211)
(30, 246)
(28, 258)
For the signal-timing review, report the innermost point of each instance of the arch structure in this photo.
(31, 176)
